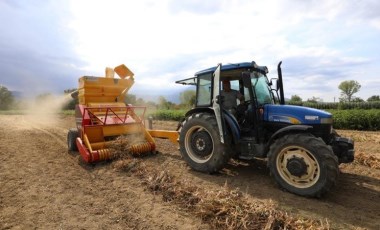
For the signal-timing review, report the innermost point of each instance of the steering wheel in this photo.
(241, 108)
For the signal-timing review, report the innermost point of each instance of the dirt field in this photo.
(43, 186)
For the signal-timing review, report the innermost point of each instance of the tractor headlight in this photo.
(326, 120)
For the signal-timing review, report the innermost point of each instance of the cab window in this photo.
(204, 90)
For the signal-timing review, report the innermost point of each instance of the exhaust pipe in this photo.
(280, 84)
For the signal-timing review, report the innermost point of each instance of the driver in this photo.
(230, 97)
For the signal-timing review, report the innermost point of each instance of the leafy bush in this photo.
(12, 112)
(68, 112)
(6, 98)
(172, 115)
(357, 119)
(339, 105)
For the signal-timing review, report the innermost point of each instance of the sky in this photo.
(46, 45)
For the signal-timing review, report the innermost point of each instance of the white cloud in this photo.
(142, 34)
(163, 41)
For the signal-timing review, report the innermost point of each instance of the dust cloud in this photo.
(46, 109)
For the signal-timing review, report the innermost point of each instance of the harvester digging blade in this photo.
(130, 146)
(138, 149)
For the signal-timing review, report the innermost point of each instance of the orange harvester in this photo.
(102, 115)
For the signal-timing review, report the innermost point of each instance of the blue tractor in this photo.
(300, 144)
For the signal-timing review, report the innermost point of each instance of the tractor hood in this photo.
(296, 115)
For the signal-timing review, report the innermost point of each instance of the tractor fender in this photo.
(199, 110)
(230, 120)
(286, 130)
(193, 111)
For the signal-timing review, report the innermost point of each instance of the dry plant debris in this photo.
(121, 146)
(367, 160)
(361, 136)
(121, 150)
(222, 209)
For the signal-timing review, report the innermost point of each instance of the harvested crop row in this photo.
(221, 209)
(367, 160)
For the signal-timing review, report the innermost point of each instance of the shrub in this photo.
(339, 105)
(172, 115)
(357, 119)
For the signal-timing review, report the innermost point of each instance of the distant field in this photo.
(352, 119)
(22, 112)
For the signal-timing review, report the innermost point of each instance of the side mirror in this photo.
(277, 84)
(273, 82)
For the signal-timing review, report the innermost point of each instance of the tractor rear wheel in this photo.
(71, 139)
(200, 144)
(303, 164)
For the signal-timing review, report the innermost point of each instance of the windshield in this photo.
(261, 88)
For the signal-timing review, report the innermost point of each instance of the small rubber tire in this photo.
(303, 164)
(71, 139)
(200, 144)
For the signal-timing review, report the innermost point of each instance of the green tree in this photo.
(130, 99)
(6, 98)
(67, 91)
(140, 101)
(314, 100)
(164, 104)
(357, 99)
(295, 99)
(374, 98)
(348, 88)
(74, 100)
(187, 97)
(151, 104)
(162, 101)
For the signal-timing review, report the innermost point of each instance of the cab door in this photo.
(216, 102)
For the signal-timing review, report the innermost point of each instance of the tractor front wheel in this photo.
(200, 144)
(303, 164)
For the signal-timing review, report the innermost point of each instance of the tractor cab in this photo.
(247, 80)
(258, 90)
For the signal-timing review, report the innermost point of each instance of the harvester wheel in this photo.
(200, 144)
(71, 139)
(303, 164)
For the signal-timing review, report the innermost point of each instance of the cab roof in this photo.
(241, 65)
(229, 71)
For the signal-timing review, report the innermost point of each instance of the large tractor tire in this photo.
(200, 144)
(71, 139)
(303, 164)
